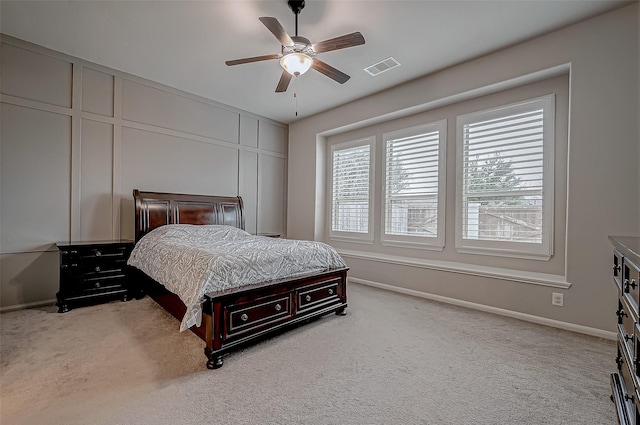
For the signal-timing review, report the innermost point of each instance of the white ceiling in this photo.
(184, 44)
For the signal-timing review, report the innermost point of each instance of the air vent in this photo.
(382, 66)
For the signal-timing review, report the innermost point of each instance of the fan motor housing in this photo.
(300, 45)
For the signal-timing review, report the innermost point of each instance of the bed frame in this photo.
(241, 315)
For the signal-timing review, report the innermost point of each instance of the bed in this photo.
(236, 316)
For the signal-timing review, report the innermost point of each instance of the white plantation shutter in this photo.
(351, 188)
(413, 184)
(505, 157)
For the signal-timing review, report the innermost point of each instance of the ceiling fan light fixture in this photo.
(296, 63)
(298, 54)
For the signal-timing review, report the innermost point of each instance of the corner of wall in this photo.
(320, 205)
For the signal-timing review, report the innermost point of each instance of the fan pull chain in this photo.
(295, 93)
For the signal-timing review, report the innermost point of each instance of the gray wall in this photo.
(600, 56)
(76, 138)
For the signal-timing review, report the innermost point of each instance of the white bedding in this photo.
(192, 261)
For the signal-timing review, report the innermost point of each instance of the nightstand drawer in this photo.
(101, 283)
(88, 269)
(69, 255)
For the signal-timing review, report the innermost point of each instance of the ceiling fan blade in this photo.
(276, 29)
(253, 59)
(342, 42)
(283, 84)
(330, 71)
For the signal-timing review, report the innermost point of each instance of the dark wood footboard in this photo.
(241, 316)
(246, 314)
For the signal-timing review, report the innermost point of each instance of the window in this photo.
(414, 182)
(505, 180)
(351, 185)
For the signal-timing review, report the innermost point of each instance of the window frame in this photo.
(418, 241)
(526, 250)
(356, 237)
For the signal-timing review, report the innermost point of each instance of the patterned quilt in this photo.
(192, 261)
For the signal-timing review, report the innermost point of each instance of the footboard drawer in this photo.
(318, 296)
(262, 312)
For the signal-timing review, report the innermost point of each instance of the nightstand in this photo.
(93, 272)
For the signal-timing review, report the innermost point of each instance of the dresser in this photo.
(93, 272)
(625, 382)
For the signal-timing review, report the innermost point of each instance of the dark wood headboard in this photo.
(155, 209)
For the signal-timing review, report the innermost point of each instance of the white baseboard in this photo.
(26, 305)
(495, 310)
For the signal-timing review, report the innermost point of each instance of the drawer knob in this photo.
(278, 307)
(74, 252)
(628, 398)
(620, 313)
(97, 268)
(97, 284)
(619, 361)
(244, 317)
(616, 268)
(625, 285)
(65, 252)
(307, 298)
(330, 291)
(98, 253)
(628, 337)
(633, 284)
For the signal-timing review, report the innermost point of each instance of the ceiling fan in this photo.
(298, 54)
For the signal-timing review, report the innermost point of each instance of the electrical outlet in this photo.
(557, 299)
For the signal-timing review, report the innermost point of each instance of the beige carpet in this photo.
(393, 359)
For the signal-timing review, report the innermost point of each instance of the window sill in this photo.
(511, 253)
(412, 245)
(536, 278)
(351, 240)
